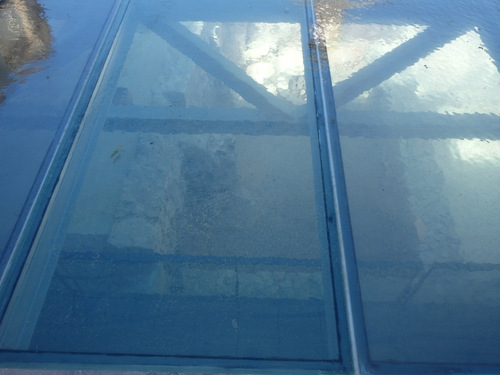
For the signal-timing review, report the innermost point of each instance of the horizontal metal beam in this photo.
(173, 126)
(198, 113)
(201, 120)
(426, 125)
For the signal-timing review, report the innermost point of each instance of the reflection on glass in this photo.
(189, 220)
(417, 105)
(24, 38)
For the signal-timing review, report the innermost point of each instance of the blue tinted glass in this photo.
(417, 90)
(194, 220)
(189, 219)
(44, 47)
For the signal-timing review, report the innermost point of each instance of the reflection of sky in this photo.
(355, 46)
(269, 53)
(428, 66)
(476, 150)
(458, 75)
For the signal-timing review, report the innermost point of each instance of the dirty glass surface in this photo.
(417, 92)
(189, 219)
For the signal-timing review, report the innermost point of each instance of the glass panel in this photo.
(44, 46)
(417, 88)
(189, 218)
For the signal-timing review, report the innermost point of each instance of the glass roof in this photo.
(188, 219)
(250, 185)
(417, 87)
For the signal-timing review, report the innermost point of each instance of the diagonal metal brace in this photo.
(223, 69)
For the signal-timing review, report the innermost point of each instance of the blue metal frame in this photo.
(353, 336)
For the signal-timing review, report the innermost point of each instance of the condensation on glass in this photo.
(189, 218)
(417, 92)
